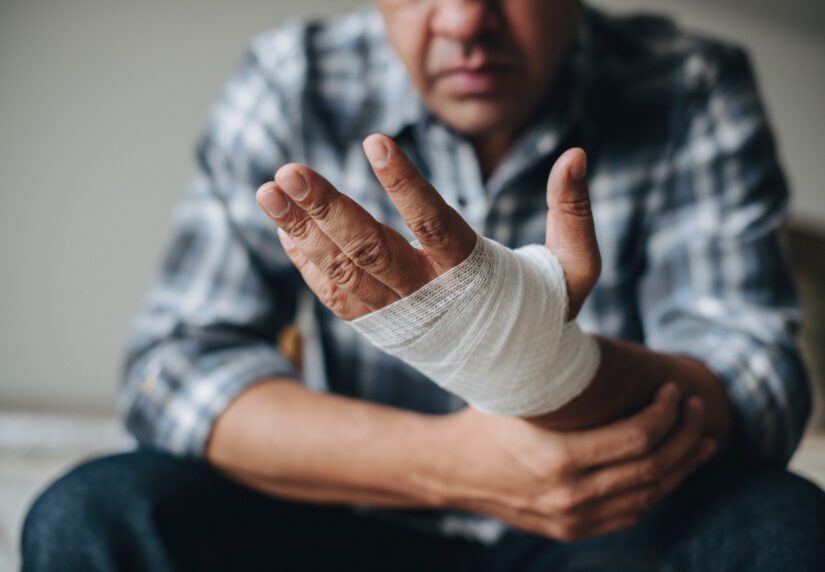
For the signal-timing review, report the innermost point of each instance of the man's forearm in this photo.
(283, 439)
(626, 380)
(328, 493)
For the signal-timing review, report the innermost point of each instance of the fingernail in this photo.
(376, 152)
(285, 240)
(293, 183)
(578, 170)
(274, 203)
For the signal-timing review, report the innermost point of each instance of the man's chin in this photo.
(477, 117)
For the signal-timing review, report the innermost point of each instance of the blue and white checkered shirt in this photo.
(686, 189)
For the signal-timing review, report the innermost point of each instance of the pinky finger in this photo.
(343, 305)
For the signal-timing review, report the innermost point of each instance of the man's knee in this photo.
(780, 502)
(70, 504)
(82, 514)
(756, 519)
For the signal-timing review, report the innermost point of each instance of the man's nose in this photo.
(463, 20)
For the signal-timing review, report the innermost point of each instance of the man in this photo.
(674, 453)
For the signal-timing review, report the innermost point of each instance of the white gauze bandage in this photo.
(492, 331)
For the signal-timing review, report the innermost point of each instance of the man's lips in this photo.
(478, 76)
(475, 80)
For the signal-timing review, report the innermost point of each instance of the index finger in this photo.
(627, 438)
(444, 235)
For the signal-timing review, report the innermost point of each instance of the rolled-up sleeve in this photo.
(716, 285)
(208, 326)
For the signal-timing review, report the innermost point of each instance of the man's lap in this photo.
(149, 510)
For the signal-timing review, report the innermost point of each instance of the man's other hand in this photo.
(356, 265)
(575, 485)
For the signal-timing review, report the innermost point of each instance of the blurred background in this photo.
(100, 105)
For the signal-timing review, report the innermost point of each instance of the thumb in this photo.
(571, 235)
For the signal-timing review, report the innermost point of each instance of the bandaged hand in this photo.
(488, 323)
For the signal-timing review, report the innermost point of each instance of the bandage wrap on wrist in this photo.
(492, 331)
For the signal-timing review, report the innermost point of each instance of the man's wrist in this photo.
(461, 467)
(435, 465)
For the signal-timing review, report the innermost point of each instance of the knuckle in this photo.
(431, 230)
(343, 272)
(639, 441)
(563, 463)
(330, 295)
(370, 253)
(579, 207)
(395, 183)
(299, 228)
(321, 208)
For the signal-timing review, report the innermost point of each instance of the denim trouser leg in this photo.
(151, 511)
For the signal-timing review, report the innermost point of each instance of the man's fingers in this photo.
(571, 234)
(649, 469)
(321, 251)
(628, 438)
(642, 499)
(443, 234)
(344, 306)
(616, 512)
(372, 246)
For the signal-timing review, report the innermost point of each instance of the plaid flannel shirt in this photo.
(687, 196)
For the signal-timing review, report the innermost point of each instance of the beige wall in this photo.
(100, 102)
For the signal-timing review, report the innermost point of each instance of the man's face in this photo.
(481, 65)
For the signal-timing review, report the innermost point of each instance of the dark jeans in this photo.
(151, 511)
